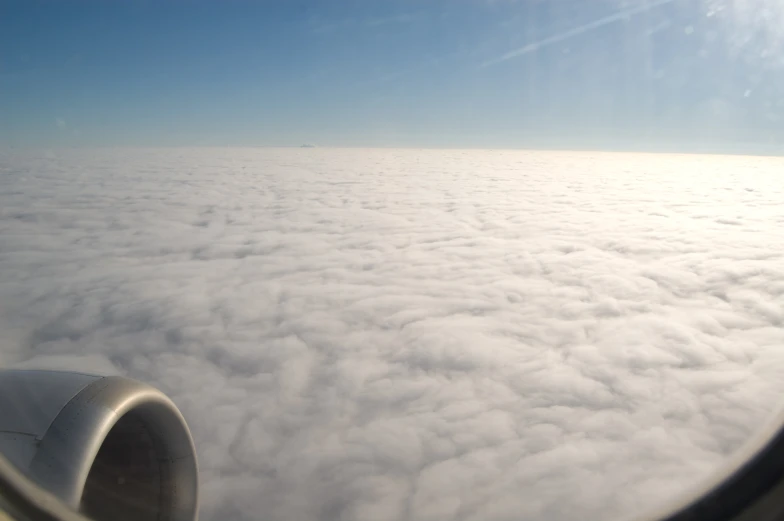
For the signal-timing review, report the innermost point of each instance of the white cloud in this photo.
(390, 334)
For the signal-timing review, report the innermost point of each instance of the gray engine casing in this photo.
(110, 447)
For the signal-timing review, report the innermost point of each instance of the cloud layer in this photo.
(412, 335)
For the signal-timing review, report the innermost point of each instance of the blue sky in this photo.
(604, 74)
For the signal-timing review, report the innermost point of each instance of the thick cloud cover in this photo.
(405, 334)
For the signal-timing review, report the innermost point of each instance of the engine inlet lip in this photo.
(68, 450)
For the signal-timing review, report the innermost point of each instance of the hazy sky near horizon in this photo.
(605, 73)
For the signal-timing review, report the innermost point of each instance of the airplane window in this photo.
(486, 260)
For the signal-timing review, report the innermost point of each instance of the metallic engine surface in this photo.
(53, 424)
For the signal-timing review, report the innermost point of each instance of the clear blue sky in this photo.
(609, 74)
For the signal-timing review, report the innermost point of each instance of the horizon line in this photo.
(696, 151)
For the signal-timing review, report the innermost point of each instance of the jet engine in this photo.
(107, 446)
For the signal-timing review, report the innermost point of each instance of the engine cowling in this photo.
(109, 447)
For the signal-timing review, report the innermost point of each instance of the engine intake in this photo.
(109, 447)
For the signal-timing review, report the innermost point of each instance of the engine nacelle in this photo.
(109, 447)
